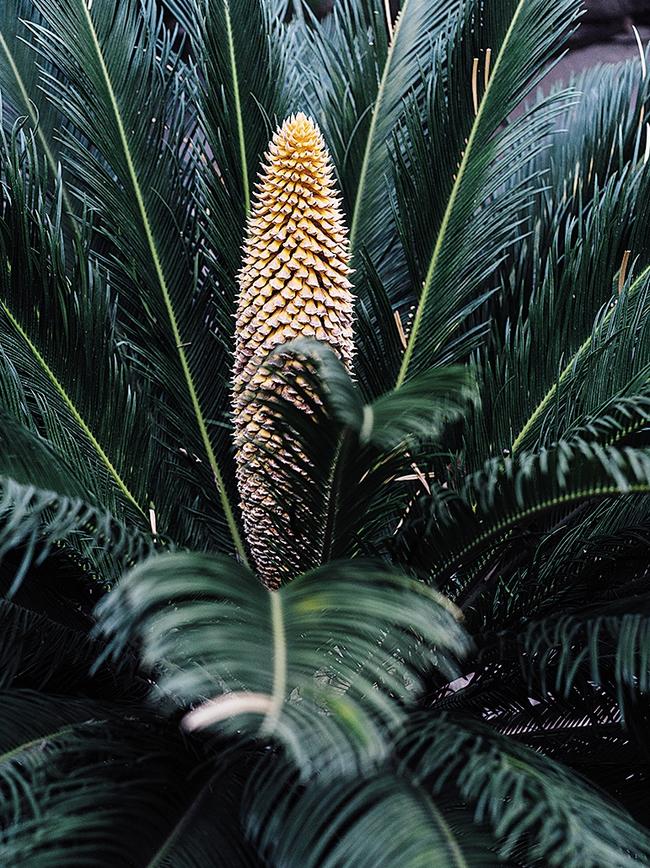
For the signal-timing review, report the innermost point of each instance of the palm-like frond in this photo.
(36, 520)
(80, 752)
(525, 798)
(243, 66)
(606, 645)
(131, 179)
(449, 264)
(420, 25)
(495, 506)
(22, 97)
(51, 314)
(383, 819)
(341, 62)
(561, 279)
(97, 808)
(295, 664)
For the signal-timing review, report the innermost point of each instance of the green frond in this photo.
(419, 26)
(340, 63)
(382, 819)
(34, 521)
(495, 504)
(458, 159)
(61, 370)
(110, 790)
(619, 340)
(130, 177)
(560, 279)
(298, 664)
(22, 97)
(527, 799)
(241, 56)
(611, 648)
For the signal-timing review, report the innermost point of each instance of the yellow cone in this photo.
(294, 282)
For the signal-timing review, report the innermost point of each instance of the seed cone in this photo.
(293, 283)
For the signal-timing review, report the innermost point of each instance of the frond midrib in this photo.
(440, 241)
(69, 403)
(279, 688)
(10, 755)
(370, 141)
(439, 820)
(575, 358)
(238, 110)
(541, 506)
(163, 851)
(162, 282)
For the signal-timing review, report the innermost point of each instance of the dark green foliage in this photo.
(458, 673)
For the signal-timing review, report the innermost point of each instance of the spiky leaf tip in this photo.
(294, 282)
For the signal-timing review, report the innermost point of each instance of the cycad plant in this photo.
(324, 517)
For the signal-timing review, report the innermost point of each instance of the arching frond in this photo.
(32, 521)
(110, 790)
(457, 164)
(61, 370)
(527, 799)
(609, 647)
(23, 98)
(384, 819)
(130, 176)
(511, 492)
(296, 664)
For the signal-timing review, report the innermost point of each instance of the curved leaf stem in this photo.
(359, 199)
(552, 392)
(67, 400)
(163, 851)
(9, 755)
(562, 500)
(238, 110)
(279, 662)
(449, 210)
(162, 281)
(447, 833)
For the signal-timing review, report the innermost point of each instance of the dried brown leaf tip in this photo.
(294, 282)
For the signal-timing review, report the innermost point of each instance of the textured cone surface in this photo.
(293, 283)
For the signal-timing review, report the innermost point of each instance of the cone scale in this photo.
(294, 282)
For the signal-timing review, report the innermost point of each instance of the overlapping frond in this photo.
(531, 803)
(297, 664)
(138, 179)
(61, 369)
(341, 62)
(97, 809)
(347, 467)
(495, 506)
(242, 59)
(612, 647)
(457, 212)
(587, 239)
(383, 819)
(33, 521)
(22, 97)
